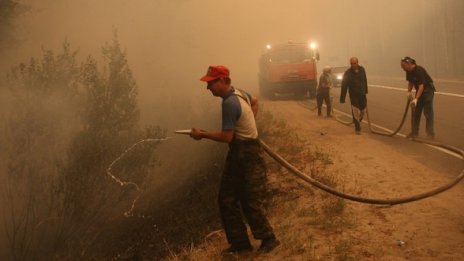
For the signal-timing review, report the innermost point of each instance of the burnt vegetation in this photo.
(64, 122)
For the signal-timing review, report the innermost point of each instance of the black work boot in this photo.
(267, 245)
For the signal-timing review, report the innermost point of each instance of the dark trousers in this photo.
(424, 104)
(242, 189)
(357, 123)
(323, 94)
(358, 108)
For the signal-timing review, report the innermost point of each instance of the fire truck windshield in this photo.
(290, 55)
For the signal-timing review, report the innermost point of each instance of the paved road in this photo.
(387, 100)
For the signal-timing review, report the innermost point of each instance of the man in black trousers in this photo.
(355, 82)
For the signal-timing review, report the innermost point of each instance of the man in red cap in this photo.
(244, 177)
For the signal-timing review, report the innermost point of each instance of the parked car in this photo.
(337, 73)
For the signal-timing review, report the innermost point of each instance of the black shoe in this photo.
(267, 245)
(411, 136)
(237, 250)
(358, 132)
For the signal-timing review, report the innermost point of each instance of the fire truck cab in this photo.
(289, 68)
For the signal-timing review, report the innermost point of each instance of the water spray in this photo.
(129, 213)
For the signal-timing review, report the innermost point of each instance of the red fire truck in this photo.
(289, 68)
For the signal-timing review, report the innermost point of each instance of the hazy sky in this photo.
(162, 34)
(171, 43)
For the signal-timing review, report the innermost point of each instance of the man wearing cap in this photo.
(323, 91)
(418, 78)
(244, 177)
(355, 82)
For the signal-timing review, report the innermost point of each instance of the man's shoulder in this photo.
(244, 95)
(232, 99)
(241, 92)
(420, 69)
(231, 103)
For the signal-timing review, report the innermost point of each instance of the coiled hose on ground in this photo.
(375, 201)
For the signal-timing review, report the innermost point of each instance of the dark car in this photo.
(337, 73)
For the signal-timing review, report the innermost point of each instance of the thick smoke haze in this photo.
(171, 43)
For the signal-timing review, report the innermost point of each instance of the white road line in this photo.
(403, 135)
(404, 89)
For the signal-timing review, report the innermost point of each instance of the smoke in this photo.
(170, 44)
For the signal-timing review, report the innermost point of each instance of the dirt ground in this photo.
(429, 229)
(315, 225)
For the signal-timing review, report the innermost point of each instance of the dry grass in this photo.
(299, 213)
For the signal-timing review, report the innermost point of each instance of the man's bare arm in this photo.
(410, 85)
(225, 136)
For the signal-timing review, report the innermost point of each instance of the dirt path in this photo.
(431, 229)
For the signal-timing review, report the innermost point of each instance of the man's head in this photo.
(327, 69)
(218, 80)
(408, 63)
(354, 63)
(215, 72)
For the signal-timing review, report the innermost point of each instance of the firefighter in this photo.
(243, 180)
(355, 82)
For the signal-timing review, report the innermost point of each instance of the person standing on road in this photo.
(243, 181)
(418, 78)
(355, 82)
(323, 91)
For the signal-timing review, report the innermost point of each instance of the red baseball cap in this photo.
(215, 72)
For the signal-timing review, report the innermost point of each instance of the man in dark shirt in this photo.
(418, 78)
(355, 82)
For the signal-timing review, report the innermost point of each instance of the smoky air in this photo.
(83, 81)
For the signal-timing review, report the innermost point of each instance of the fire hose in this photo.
(397, 129)
(393, 201)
